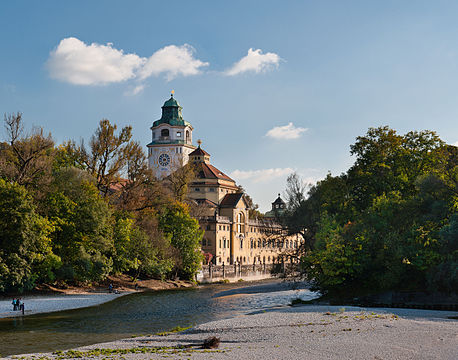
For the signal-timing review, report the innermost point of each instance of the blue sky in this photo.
(334, 68)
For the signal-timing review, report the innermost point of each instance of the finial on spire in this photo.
(172, 92)
(278, 194)
(199, 142)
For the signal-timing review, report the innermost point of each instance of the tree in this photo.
(83, 229)
(25, 159)
(25, 245)
(385, 223)
(107, 155)
(185, 235)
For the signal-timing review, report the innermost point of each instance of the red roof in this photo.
(207, 171)
(231, 200)
(199, 151)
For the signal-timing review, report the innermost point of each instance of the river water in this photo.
(142, 314)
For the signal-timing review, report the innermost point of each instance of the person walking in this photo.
(14, 305)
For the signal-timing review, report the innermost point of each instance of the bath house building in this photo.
(231, 236)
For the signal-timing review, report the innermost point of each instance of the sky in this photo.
(270, 87)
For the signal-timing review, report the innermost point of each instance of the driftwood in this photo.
(210, 343)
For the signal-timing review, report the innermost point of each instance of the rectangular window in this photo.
(220, 243)
(220, 227)
(212, 190)
(154, 135)
(208, 227)
(197, 189)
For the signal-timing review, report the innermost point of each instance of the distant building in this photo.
(230, 235)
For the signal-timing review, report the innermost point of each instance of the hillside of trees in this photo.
(389, 223)
(75, 213)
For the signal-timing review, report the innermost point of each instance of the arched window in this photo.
(188, 136)
(165, 132)
(241, 222)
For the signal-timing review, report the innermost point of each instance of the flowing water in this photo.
(141, 314)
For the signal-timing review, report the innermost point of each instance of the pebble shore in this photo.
(302, 332)
(51, 303)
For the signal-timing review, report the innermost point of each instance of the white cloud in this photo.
(286, 132)
(254, 61)
(455, 144)
(262, 175)
(77, 63)
(172, 61)
(135, 90)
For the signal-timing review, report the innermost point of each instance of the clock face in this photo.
(164, 159)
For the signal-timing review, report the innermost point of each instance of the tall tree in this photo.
(25, 158)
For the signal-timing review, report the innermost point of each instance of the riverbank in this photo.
(303, 332)
(50, 299)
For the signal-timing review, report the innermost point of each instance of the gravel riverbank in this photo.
(303, 332)
(35, 304)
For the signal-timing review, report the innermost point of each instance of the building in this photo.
(231, 236)
(171, 140)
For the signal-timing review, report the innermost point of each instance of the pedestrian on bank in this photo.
(14, 305)
(22, 308)
(110, 288)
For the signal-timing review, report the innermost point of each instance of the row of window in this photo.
(203, 189)
(166, 133)
(225, 243)
(243, 260)
(288, 244)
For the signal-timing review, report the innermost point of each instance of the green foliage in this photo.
(390, 222)
(83, 232)
(25, 248)
(78, 214)
(185, 235)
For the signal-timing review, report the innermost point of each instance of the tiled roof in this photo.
(199, 151)
(206, 202)
(207, 171)
(231, 200)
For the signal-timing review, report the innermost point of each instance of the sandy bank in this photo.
(36, 304)
(305, 332)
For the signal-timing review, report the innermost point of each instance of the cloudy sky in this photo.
(271, 87)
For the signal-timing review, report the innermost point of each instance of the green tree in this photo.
(25, 246)
(185, 236)
(83, 228)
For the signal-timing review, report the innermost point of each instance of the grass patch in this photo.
(176, 329)
(166, 350)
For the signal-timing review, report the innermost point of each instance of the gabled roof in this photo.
(207, 171)
(206, 202)
(231, 200)
(198, 152)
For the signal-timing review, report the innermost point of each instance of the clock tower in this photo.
(171, 140)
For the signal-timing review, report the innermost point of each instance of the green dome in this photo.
(171, 114)
(171, 103)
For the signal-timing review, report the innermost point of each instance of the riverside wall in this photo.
(235, 272)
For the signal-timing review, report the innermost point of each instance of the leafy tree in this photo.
(107, 155)
(25, 159)
(83, 234)
(388, 223)
(185, 235)
(25, 245)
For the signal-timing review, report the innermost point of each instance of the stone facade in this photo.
(231, 236)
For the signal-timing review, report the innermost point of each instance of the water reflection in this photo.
(140, 313)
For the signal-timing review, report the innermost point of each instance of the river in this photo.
(141, 314)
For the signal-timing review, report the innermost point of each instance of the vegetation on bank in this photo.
(389, 223)
(75, 213)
